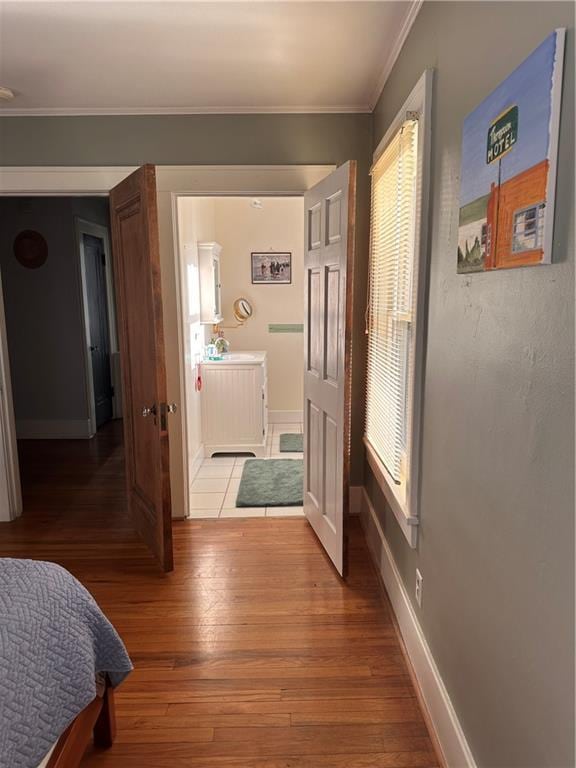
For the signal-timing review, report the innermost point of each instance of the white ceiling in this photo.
(186, 57)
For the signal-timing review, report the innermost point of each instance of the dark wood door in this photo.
(97, 301)
(135, 246)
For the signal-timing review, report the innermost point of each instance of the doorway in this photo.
(60, 337)
(102, 356)
(230, 389)
(98, 327)
(242, 263)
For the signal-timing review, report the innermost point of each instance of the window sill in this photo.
(408, 523)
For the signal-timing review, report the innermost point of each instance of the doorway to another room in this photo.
(61, 339)
(242, 268)
(101, 331)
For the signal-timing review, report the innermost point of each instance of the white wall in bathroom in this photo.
(240, 229)
(196, 223)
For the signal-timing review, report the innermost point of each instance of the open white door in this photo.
(328, 258)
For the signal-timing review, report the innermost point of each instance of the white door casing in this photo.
(81, 228)
(328, 253)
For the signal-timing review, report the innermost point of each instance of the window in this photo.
(391, 299)
(395, 313)
(528, 229)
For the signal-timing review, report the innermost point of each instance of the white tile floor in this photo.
(214, 489)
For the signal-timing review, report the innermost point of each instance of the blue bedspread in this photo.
(53, 641)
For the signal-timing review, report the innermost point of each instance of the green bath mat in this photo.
(291, 443)
(272, 483)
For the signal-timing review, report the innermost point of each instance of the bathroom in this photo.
(242, 292)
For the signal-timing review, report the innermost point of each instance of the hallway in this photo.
(251, 654)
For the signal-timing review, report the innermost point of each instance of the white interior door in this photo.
(328, 253)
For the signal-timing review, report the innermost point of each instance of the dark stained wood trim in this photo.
(98, 719)
(105, 726)
(153, 240)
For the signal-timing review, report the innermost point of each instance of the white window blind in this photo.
(390, 311)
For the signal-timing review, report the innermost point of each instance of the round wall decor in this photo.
(242, 309)
(30, 248)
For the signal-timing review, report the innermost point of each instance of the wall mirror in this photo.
(242, 310)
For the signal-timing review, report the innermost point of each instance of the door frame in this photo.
(314, 174)
(9, 459)
(172, 181)
(85, 227)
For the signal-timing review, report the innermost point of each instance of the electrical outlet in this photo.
(419, 584)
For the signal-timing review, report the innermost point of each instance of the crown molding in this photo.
(395, 52)
(152, 111)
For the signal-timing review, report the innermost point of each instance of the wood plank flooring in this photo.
(252, 654)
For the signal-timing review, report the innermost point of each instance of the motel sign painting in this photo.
(502, 135)
(508, 168)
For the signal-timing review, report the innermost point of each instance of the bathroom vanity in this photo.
(235, 404)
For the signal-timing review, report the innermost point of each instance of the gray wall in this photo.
(213, 140)
(496, 547)
(44, 310)
(184, 139)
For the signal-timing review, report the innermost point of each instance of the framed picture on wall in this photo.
(508, 177)
(272, 267)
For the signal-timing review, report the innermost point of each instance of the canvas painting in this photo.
(508, 172)
(272, 267)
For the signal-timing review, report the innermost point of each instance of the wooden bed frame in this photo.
(98, 719)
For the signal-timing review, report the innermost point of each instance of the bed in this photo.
(60, 660)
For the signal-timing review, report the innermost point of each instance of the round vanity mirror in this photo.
(242, 310)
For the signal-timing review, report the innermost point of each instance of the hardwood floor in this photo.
(251, 654)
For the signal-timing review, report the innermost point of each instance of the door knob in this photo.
(94, 348)
(171, 407)
(149, 411)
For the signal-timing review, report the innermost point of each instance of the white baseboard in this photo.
(356, 492)
(443, 718)
(285, 417)
(65, 429)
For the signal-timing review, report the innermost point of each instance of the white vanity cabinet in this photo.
(235, 404)
(210, 288)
